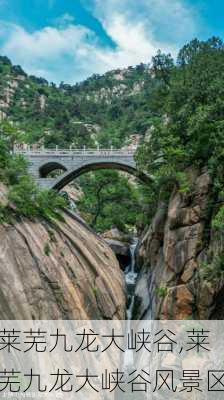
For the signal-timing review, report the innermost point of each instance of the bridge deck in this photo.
(76, 152)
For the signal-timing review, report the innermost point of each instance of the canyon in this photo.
(64, 270)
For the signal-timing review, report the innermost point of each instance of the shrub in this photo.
(213, 271)
(24, 195)
(218, 220)
(27, 198)
(161, 291)
(32, 202)
(16, 166)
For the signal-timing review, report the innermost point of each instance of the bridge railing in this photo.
(78, 152)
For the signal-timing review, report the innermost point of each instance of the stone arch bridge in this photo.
(75, 162)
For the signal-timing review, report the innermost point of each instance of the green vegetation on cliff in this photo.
(24, 198)
(188, 117)
(174, 108)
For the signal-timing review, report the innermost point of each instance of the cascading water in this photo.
(129, 360)
(130, 278)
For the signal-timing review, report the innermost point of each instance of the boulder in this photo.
(116, 234)
(118, 247)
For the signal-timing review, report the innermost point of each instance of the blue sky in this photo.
(69, 40)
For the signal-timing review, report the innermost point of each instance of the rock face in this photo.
(176, 254)
(74, 192)
(120, 244)
(119, 248)
(118, 241)
(58, 271)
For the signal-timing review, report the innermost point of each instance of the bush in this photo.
(32, 202)
(218, 220)
(162, 291)
(213, 271)
(49, 204)
(26, 197)
(23, 195)
(16, 166)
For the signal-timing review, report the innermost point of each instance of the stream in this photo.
(130, 279)
(129, 360)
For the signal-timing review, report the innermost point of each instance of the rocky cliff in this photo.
(58, 271)
(181, 259)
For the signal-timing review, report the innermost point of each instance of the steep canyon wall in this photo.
(180, 257)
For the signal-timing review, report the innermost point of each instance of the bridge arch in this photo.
(49, 167)
(70, 175)
(75, 162)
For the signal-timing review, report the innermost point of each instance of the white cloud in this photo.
(171, 17)
(48, 42)
(47, 52)
(133, 43)
(72, 52)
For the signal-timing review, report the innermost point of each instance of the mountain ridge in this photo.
(104, 109)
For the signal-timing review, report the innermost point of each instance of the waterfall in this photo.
(130, 278)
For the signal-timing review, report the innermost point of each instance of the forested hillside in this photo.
(189, 132)
(108, 110)
(182, 252)
(174, 109)
(103, 109)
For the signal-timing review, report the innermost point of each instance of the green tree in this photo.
(10, 134)
(109, 200)
(25, 196)
(190, 128)
(162, 66)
